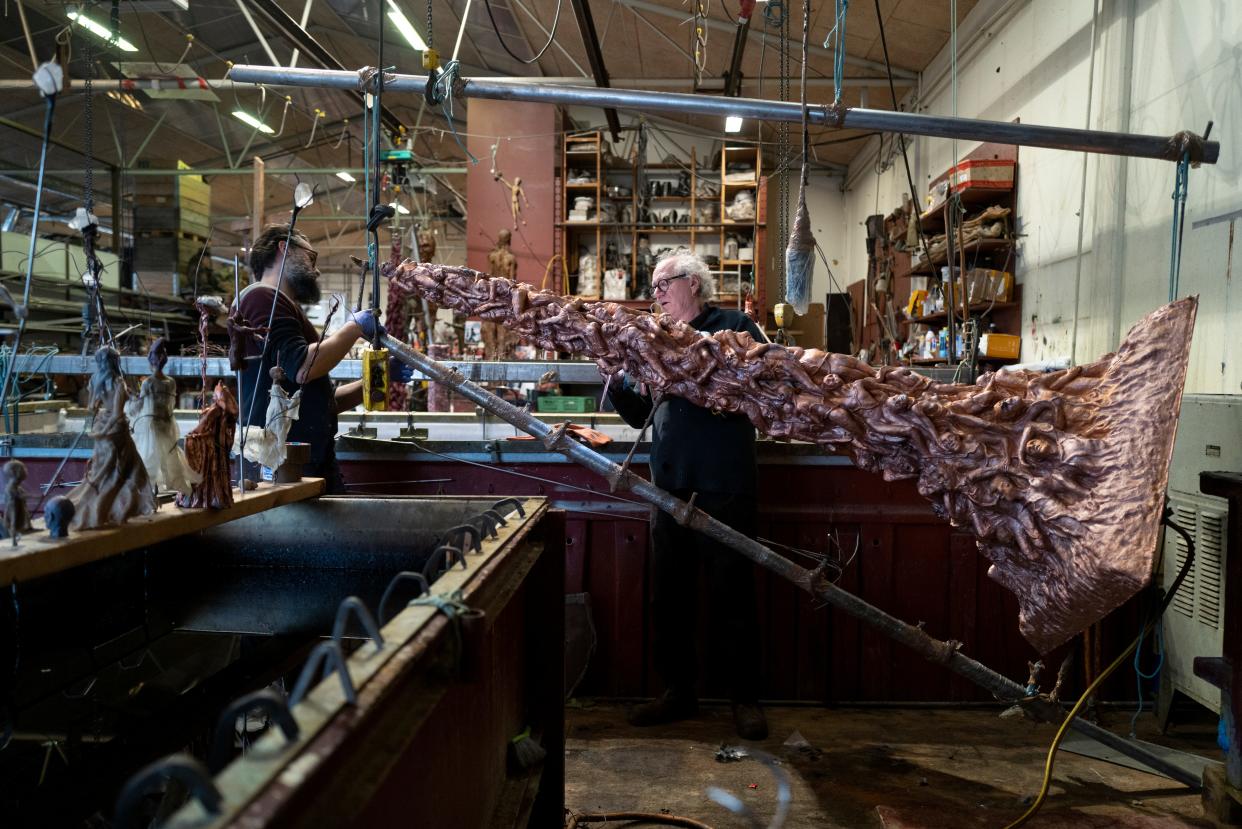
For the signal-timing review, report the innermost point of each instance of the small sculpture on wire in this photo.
(116, 486)
(154, 429)
(16, 512)
(207, 450)
(517, 196)
(266, 445)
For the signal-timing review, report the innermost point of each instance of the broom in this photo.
(800, 252)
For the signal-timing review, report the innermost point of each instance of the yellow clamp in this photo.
(375, 379)
(431, 59)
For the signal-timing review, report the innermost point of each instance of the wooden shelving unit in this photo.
(687, 219)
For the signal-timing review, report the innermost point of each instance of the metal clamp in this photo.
(180, 767)
(517, 505)
(476, 537)
(266, 700)
(364, 618)
(404, 575)
(496, 517)
(327, 654)
(442, 554)
(487, 525)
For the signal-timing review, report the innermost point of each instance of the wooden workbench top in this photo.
(38, 555)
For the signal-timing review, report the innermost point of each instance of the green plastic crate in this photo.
(561, 404)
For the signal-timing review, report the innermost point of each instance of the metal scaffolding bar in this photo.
(232, 171)
(1168, 148)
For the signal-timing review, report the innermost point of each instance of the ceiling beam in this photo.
(721, 26)
(306, 42)
(595, 56)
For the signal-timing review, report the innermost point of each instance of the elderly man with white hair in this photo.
(697, 451)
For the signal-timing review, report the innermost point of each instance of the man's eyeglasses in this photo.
(311, 253)
(662, 284)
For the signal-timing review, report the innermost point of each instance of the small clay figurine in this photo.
(16, 512)
(57, 515)
(115, 487)
(207, 449)
(155, 432)
(266, 446)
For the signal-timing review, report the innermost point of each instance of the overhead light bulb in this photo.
(733, 123)
(247, 118)
(400, 208)
(405, 27)
(101, 31)
(346, 177)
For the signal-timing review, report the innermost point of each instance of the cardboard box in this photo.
(914, 308)
(1002, 346)
(988, 285)
(982, 174)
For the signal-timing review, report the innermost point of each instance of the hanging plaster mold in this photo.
(1061, 476)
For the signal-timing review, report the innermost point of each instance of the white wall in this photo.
(1160, 66)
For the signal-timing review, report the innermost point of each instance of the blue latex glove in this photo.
(369, 323)
(399, 372)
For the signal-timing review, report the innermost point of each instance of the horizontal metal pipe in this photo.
(938, 126)
(235, 171)
(515, 371)
(947, 654)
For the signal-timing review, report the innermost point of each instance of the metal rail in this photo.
(812, 581)
(1168, 148)
(577, 371)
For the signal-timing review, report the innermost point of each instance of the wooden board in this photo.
(38, 555)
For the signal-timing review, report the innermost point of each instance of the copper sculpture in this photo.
(115, 487)
(207, 449)
(1060, 476)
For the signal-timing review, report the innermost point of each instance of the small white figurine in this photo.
(266, 445)
(154, 429)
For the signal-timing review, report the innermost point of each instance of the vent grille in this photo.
(1209, 546)
(1184, 600)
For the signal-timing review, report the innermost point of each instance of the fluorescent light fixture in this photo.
(401, 209)
(247, 118)
(101, 31)
(406, 29)
(346, 177)
(733, 123)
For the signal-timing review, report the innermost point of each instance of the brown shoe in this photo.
(749, 721)
(665, 708)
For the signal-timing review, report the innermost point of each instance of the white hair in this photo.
(682, 260)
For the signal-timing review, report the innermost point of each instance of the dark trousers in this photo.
(732, 635)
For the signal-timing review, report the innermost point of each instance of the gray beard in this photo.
(303, 284)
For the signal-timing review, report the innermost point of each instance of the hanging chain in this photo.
(431, 44)
(700, 40)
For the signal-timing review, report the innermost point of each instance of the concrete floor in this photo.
(926, 768)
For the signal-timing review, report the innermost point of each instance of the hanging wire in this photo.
(284, 114)
(836, 36)
(319, 113)
(442, 92)
(551, 35)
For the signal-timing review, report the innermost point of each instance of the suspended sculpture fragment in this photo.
(1060, 476)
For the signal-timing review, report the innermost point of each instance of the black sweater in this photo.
(691, 447)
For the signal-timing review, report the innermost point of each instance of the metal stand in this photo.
(815, 582)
